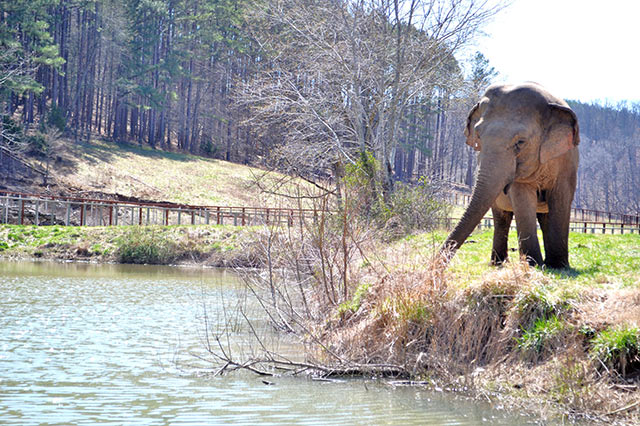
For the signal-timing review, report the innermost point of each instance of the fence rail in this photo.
(578, 215)
(37, 209)
(586, 227)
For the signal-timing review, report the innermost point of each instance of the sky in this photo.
(586, 50)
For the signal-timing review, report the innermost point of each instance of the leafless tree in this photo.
(338, 76)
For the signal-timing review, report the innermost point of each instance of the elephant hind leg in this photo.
(556, 229)
(502, 223)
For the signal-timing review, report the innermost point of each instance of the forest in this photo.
(303, 86)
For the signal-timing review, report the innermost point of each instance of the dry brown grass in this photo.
(133, 171)
(601, 308)
(470, 338)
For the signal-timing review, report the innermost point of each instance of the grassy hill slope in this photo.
(144, 173)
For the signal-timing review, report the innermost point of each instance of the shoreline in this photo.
(548, 371)
(203, 246)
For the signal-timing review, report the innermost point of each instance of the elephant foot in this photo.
(498, 261)
(533, 262)
(556, 264)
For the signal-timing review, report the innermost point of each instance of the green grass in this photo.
(542, 332)
(146, 244)
(607, 261)
(618, 348)
(139, 246)
(354, 304)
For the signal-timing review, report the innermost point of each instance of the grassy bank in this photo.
(563, 342)
(218, 245)
(556, 343)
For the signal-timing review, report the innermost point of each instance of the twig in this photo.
(625, 408)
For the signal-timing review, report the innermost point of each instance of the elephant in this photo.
(528, 161)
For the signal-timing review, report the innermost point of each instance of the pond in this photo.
(85, 344)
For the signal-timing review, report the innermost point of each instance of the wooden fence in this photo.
(586, 227)
(38, 209)
(34, 209)
(577, 215)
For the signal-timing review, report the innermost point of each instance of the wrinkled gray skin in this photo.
(528, 142)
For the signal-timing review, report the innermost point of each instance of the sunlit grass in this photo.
(109, 243)
(145, 173)
(609, 261)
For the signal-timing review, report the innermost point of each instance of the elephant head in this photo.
(521, 133)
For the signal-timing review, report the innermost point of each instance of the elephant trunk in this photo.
(487, 188)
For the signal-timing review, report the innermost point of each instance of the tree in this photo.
(337, 78)
(25, 47)
(482, 75)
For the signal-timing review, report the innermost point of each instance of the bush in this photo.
(416, 207)
(208, 148)
(409, 207)
(354, 304)
(363, 194)
(56, 118)
(618, 348)
(37, 144)
(141, 247)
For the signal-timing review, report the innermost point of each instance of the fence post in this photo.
(81, 214)
(110, 215)
(218, 216)
(116, 216)
(6, 209)
(21, 211)
(68, 217)
(243, 220)
(206, 216)
(37, 212)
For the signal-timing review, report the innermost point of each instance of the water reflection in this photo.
(88, 344)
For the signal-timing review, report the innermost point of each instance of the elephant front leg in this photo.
(502, 223)
(556, 234)
(524, 201)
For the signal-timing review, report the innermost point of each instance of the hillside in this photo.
(103, 169)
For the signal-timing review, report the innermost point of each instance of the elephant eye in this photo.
(520, 144)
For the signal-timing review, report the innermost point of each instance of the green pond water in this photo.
(112, 344)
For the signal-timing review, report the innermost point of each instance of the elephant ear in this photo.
(563, 133)
(472, 137)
